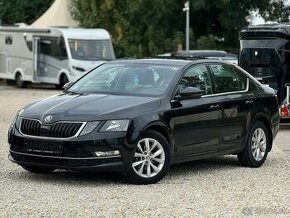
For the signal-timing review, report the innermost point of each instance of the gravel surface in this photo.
(215, 187)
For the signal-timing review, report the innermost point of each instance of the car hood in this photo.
(89, 107)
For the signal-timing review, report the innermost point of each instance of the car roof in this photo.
(168, 61)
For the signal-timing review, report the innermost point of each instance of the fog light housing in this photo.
(108, 154)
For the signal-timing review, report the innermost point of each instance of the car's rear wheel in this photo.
(151, 159)
(39, 170)
(256, 150)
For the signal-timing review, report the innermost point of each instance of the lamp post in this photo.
(186, 9)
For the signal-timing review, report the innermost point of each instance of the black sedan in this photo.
(141, 116)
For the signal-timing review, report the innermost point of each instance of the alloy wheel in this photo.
(149, 158)
(259, 144)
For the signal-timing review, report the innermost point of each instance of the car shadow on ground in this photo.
(183, 170)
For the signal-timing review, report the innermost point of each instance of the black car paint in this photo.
(198, 128)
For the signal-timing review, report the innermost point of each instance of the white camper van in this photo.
(52, 55)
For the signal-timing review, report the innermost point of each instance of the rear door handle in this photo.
(249, 102)
(214, 106)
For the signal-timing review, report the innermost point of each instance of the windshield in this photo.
(133, 79)
(91, 50)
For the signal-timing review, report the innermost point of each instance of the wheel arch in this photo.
(62, 73)
(160, 128)
(18, 71)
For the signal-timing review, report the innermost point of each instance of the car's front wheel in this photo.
(39, 170)
(256, 150)
(151, 159)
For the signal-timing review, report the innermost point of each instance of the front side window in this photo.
(54, 47)
(133, 79)
(226, 79)
(197, 77)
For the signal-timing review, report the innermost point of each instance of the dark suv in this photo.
(140, 116)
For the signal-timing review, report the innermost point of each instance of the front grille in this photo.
(57, 130)
(30, 127)
(64, 130)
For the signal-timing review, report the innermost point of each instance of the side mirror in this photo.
(68, 85)
(190, 93)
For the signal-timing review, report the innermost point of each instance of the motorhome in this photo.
(51, 55)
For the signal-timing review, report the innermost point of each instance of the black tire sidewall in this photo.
(135, 178)
(64, 80)
(253, 162)
(19, 81)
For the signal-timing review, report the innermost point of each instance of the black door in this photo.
(195, 123)
(236, 103)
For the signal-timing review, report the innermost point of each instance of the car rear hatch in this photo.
(265, 53)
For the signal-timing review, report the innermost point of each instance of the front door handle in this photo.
(249, 102)
(214, 106)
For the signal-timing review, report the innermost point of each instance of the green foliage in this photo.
(150, 27)
(207, 42)
(278, 11)
(22, 11)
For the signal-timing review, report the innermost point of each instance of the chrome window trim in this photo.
(230, 93)
(52, 138)
(69, 158)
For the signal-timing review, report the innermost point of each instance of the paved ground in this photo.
(215, 187)
(283, 138)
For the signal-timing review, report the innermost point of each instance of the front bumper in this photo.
(74, 154)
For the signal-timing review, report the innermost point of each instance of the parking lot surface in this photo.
(213, 187)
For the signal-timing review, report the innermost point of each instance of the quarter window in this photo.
(226, 79)
(198, 77)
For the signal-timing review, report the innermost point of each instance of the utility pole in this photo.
(186, 9)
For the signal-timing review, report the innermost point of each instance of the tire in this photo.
(257, 147)
(19, 82)
(10, 82)
(156, 156)
(63, 80)
(38, 170)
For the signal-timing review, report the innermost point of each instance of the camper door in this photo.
(36, 42)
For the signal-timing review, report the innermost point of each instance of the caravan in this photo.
(51, 55)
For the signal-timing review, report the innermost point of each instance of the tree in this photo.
(278, 11)
(22, 11)
(148, 27)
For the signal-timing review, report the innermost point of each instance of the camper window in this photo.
(91, 49)
(53, 46)
(8, 40)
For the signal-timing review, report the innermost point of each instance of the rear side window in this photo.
(198, 77)
(227, 79)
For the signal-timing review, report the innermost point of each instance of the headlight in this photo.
(16, 117)
(89, 127)
(115, 126)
